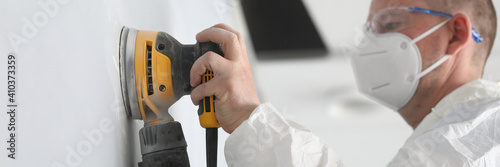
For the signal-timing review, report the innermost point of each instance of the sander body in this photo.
(155, 73)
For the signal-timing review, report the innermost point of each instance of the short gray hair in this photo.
(483, 17)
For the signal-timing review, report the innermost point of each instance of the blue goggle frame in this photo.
(477, 37)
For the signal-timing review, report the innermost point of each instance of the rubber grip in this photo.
(206, 110)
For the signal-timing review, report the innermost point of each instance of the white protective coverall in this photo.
(462, 130)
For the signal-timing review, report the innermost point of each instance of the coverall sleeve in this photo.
(267, 139)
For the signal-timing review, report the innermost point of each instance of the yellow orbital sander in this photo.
(155, 73)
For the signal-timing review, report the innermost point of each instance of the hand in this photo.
(232, 85)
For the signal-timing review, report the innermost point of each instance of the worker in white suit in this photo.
(423, 59)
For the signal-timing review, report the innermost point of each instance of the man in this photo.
(428, 66)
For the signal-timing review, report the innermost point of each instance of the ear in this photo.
(460, 28)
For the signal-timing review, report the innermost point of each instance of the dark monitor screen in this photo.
(282, 28)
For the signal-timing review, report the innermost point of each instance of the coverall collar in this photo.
(477, 89)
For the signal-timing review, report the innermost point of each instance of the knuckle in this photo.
(211, 31)
(210, 56)
(197, 66)
(202, 89)
(197, 94)
(233, 38)
(239, 35)
(230, 86)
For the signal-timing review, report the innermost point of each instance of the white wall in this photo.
(68, 80)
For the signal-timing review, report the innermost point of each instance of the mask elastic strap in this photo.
(432, 67)
(430, 31)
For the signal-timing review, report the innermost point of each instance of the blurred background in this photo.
(299, 50)
(318, 90)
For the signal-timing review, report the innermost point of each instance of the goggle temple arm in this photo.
(477, 37)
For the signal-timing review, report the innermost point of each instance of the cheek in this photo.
(432, 49)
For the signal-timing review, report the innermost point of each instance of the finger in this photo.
(206, 89)
(230, 29)
(229, 41)
(238, 34)
(209, 61)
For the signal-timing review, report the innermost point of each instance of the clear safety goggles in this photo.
(395, 19)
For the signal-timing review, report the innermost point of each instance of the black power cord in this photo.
(211, 146)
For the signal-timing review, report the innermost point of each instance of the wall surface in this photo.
(69, 110)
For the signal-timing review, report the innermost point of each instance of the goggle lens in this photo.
(390, 20)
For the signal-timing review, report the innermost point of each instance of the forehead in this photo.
(382, 4)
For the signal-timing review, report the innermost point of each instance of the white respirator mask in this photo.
(388, 67)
